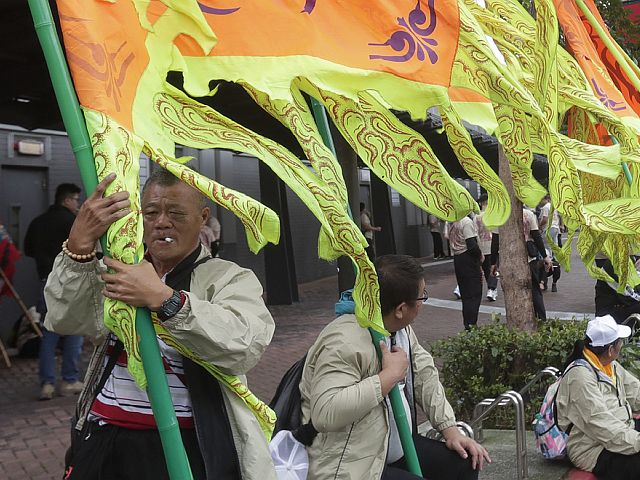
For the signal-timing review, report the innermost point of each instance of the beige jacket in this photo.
(224, 320)
(342, 396)
(601, 414)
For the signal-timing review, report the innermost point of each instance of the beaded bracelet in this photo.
(75, 256)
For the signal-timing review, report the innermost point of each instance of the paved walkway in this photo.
(34, 435)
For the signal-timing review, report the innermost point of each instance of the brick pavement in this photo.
(34, 435)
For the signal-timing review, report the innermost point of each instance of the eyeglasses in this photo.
(424, 297)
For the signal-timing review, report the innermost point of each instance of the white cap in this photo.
(604, 330)
(289, 456)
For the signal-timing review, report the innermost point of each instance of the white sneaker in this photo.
(492, 295)
(456, 292)
(71, 388)
(47, 391)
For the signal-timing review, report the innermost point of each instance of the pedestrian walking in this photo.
(43, 242)
(368, 229)
(467, 262)
(484, 241)
(535, 251)
(435, 226)
(549, 222)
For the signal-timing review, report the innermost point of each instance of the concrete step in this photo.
(501, 445)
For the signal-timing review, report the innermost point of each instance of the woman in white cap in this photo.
(595, 404)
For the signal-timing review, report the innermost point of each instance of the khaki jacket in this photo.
(341, 394)
(224, 320)
(600, 412)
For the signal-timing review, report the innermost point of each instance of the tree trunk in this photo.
(514, 269)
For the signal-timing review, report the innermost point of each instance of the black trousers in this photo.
(492, 280)
(114, 453)
(536, 293)
(619, 312)
(436, 461)
(616, 466)
(371, 252)
(554, 273)
(438, 251)
(469, 275)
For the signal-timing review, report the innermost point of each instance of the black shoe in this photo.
(554, 288)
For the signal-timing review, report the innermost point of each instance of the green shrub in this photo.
(489, 360)
(630, 356)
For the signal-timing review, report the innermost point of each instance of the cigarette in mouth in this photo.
(169, 240)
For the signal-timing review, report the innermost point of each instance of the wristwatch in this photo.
(170, 306)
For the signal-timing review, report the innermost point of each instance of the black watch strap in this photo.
(170, 306)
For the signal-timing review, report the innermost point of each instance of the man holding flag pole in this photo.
(211, 305)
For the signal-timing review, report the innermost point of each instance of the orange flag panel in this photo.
(416, 40)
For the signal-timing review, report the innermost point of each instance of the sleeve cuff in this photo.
(80, 267)
(444, 425)
(377, 387)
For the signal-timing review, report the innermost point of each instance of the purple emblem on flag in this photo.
(413, 39)
(604, 98)
(217, 11)
(309, 6)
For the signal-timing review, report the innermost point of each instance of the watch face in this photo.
(172, 305)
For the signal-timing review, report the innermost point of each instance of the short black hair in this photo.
(399, 278)
(361, 206)
(165, 178)
(66, 190)
(484, 198)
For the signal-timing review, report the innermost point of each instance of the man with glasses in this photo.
(344, 392)
(43, 242)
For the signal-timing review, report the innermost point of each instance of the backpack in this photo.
(286, 402)
(551, 440)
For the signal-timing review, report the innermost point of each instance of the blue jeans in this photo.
(71, 349)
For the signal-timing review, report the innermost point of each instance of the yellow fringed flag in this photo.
(488, 63)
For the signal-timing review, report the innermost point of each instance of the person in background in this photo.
(484, 241)
(467, 262)
(9, 255)
(210, 236)
(543, 216)
(535, 250)
(595, 402)
(368, 229)
(344, 393)
(43, 242)
(611, 302)
(435, 226)
(551, 222)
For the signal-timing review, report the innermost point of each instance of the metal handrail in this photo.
(552, 371)
(486, 406)
(479, 413)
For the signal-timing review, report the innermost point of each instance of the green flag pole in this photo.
(611, 46)
(615, 51)
(158, 390)
(397, 406)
